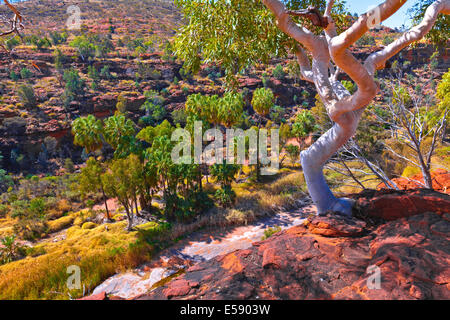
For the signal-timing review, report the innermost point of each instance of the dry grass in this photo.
(99, 252)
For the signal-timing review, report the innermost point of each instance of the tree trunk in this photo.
(314, 158)
(258, 176)
(108, 215)
(129, 218)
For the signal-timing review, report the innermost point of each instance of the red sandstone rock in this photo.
(391, 205)
(328, 257)
(99, 296)
(440, 180)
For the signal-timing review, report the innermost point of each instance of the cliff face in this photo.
(401, 236)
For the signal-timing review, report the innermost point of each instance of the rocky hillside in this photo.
(404, 234)
(25, 125)
(129, 16)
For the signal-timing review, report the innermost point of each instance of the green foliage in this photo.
(87, 133)
(58, 38)
(154, 109)
(443, 91)
(37, 207)
(85, 48)
(90, 177)
(154, 114)
(225, 196)
(231, 107)
(41, 43)
(304, 125)
(293, 152)
(349, 85)
(95, 77)
(105, 73)
(149, 134)
(236, 34)
(119, 133)
(6, 181)
(224, 173)
(68, 165)
(4, 209)
(26, 95)
(387, 40)
(30, 229)
(60, 59)
(215, 110)
(146, 71)
(440, 33)
(278, 72)
(102, 46)
(121, 181)
(74, 85)
(121, 105)
(10, 250)
(277, 113)
(270, 232)
(25, 73)
(263, 100)
(366, 40)
(401, 95)
(179, 117)
(92, 45)
(14, 76)
(11, 43)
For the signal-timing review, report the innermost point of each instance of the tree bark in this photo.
(342, 107)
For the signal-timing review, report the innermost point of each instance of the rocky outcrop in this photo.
(440, 180)
(399, 238)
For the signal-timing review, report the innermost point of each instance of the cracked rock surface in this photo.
(402, 235)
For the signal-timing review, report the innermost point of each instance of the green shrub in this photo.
(74, 86)
(25, 73)
(293, 152)
(179, 117)
(278, 72)
(105, 73)
(4, 209)
(10, 250)
(14, 76)
(270, 232)
(225, 196)
(366, 40)
(387, 40)
(30, 229)
(27, 96)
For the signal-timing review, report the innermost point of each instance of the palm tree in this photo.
(263, 100)
(87, 133)
(230, 109)
(117, 130)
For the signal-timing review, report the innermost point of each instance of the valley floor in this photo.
(200, 246)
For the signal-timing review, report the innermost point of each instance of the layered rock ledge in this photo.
(403, 234)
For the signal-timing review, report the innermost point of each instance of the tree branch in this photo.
(304, 63)
(311, 14)
(378, 59)
(287, 25)
(15, 23)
